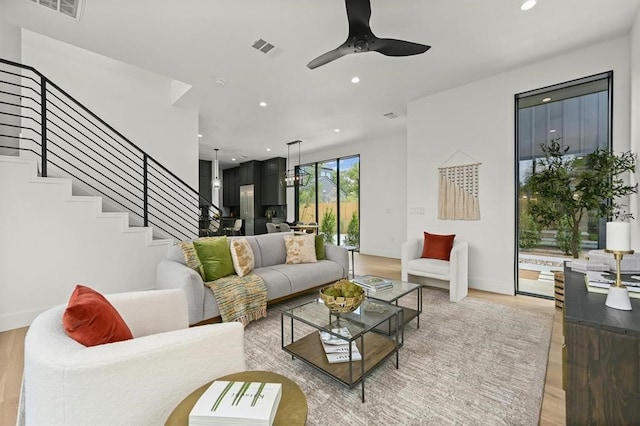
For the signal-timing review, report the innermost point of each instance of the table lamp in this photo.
(619, 244)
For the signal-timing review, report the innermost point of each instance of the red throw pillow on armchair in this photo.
(437, 246)
(91, 320)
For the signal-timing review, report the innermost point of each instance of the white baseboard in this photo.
(381, 253)
(19, 319)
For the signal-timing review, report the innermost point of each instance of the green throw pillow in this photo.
(320, 255)
(214, 257)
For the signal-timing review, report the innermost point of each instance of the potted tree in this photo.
(565, 188)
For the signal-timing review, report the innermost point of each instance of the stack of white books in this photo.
(237, 403)
(599, 282)
(337, 349)
(371, 283)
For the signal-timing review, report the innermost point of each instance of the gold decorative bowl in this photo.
(338, 303)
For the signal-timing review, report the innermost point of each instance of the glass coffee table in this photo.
(308, 320)
(392, 296)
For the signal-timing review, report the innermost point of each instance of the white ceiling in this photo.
(196, 41)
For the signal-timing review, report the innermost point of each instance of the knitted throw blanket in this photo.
(241, 299)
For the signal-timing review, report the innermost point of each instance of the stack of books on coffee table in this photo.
(373, 284)
(237, 403)
(337, 349)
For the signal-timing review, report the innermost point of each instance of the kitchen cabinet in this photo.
(601, 372)
(231, 187)
(249, 172)
(273, 192)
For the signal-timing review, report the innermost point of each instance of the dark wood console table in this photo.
(601, 357)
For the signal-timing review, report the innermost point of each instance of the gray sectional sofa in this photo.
(270, 255)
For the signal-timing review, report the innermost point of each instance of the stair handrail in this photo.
(213, 213)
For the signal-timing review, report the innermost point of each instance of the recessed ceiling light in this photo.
(552, 131)
(527, 4)
(263, 104)
(355, 80)
(336, 130)
(268, 149)
(233, 159)
(546, 99)
(199, 135)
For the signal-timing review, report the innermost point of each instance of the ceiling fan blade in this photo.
(331, 55)
(392, 47)
(359, 14)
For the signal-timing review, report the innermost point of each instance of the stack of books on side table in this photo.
(336, 349)
(237, 403)
(373, 284)
(599, 282)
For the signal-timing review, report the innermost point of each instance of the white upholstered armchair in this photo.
(455, 271)
(132, 382)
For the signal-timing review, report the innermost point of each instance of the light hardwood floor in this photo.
(553, 411)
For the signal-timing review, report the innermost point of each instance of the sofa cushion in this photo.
(278, 284)
(304, 276)
(300, 248)
(437, 246)
(242, 256)
(272, 248)
(214, 257)
(91, 320)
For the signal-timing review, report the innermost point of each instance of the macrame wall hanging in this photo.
(458, 190)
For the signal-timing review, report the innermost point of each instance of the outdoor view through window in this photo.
(576, 115)
(332, 199)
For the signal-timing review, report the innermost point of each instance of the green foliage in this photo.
(328, 226)
(566, 188)
(350, 182)
(529, 232)
(353, 231)
(564, 236)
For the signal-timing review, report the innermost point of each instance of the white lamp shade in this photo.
(618, 236)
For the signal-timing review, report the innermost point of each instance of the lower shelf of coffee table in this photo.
(376, 349)
(389, 327)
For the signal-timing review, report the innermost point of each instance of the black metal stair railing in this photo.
(39, 119)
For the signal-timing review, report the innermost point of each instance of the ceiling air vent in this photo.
(391, 115)
(70, 8)
(263, 46)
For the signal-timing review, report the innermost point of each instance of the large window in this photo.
(331, 198)
(576, 114)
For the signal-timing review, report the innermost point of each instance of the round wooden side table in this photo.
(292, 409)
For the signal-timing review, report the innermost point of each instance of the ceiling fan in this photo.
(361, 38)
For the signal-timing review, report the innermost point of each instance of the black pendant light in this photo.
(294, 176)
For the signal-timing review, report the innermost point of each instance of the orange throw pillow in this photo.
(437, 246)
(91, 320)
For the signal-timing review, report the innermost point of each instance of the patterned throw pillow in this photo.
(189, 252)
(242, 256)
(300, 248)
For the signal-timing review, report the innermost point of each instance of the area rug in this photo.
(470, 363)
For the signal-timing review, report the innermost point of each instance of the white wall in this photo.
(10, 42)
(135, 102)
(50, 242)
(382, 195)
(10, 47)
(478, 120)
(634, 51)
